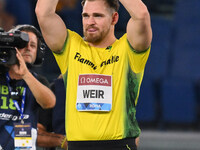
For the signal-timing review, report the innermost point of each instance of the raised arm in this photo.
(43, 95)
(139, 32)
(52, 26)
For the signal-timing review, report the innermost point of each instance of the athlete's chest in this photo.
(97, 60)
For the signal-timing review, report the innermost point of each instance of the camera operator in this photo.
(22, 93)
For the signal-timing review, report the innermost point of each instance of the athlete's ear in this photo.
(115, 18)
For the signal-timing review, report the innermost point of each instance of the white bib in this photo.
(94, 92)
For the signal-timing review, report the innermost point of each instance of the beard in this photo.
(96, 37)
(91, 38)
(28, 57)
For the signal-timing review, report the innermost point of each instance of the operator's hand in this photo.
(19, 70)
(63, 139)
(65, 145)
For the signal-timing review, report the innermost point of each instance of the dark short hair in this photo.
(112, 3)
(40, 41)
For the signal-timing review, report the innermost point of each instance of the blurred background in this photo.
(168, 109)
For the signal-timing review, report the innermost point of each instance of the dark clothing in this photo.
(124, 144)
(8, 112)
(54, 119)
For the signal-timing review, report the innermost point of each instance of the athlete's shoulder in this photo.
(73, 35)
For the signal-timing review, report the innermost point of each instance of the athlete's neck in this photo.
(104, 43)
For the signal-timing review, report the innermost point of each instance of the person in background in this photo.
(23, 92)
(69, 4)
(102, 74)
(7, 21)
(68, 10)
(51, 126)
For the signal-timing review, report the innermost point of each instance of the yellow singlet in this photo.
(108, 82)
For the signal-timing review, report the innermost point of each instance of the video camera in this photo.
(8, 42)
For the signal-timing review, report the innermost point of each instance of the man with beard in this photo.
(102, 74)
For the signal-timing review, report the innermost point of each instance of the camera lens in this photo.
(4, 56)
(8, 55)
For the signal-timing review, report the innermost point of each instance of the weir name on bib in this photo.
(94, 92)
